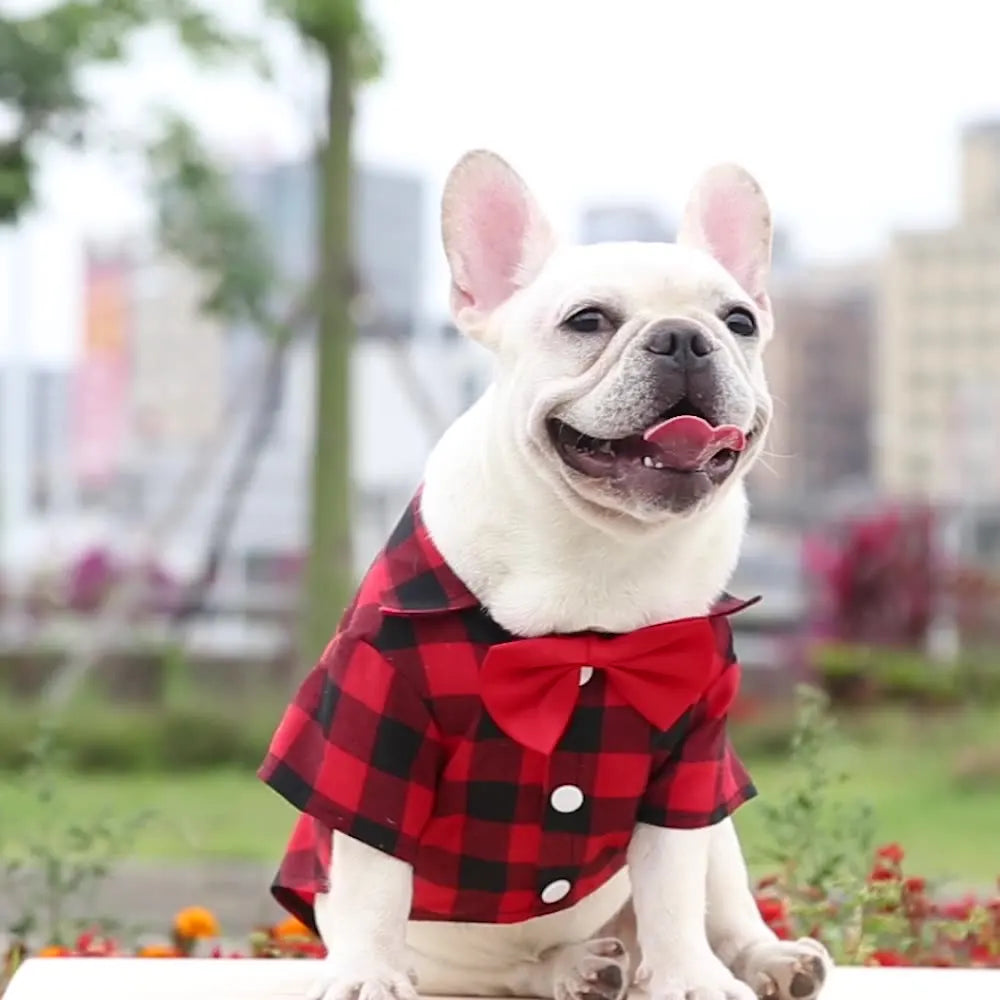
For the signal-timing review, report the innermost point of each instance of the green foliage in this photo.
(62, 859)
(854, 674)
(16, 173)
(104, 739)
(201, 222)
(817, 840)
(336, 25)
(43, 55)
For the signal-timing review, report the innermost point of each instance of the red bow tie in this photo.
(530, 686)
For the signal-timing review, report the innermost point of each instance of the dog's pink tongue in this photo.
(688, 442)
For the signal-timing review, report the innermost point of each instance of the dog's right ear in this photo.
(495, 237)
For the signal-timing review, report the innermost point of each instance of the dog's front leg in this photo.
(783, 970)
(362, 921)
(669, 869)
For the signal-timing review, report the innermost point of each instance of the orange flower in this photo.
(53, 951)
(291, 928)
(195, 923)
(159, 951)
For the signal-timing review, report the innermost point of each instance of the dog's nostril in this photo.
(663, 342)
(700, 345)
(679, 343)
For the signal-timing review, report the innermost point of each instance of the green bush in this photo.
(767, 736)
(865, 675)
(99, 738)
(191, 739)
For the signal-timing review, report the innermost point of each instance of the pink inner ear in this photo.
(731, 234)
(492, 244)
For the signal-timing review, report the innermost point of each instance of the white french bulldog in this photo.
(571, 497)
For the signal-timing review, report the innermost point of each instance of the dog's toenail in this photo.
(769, 990)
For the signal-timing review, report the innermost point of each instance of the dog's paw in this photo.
(784, 970)
(377, 982)
(593, 970)
(692, 980)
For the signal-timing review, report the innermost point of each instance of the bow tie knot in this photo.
(530, 686)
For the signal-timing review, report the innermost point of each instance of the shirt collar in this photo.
(423, 583)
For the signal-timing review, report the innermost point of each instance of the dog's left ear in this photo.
(728, 217)
(495, 237)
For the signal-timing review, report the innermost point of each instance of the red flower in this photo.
(981, 953)
(888, 958)
(915, 884)
(92, 944)
(892, 853)
(782, 930)
(772, 909)
(959, 910)
(882, 874)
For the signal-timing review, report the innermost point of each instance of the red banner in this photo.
(100, 399)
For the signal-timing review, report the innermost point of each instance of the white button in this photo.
(566, 799)
(585, 674)
(555, 891)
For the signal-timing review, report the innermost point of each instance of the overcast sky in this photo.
(848, 112)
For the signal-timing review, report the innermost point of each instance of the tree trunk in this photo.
(329, 576)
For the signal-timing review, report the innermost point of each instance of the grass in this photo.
(905, 765)
(198, 816)
(918, 772)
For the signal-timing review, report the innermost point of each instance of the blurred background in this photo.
(225, 353)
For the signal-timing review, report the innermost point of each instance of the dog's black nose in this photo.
(685, 344)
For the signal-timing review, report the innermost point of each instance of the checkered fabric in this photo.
(388, 741)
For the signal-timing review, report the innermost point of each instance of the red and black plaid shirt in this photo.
(388, 741)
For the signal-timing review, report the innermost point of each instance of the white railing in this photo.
(284, 979)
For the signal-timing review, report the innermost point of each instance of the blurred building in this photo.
(177, 357)
(411, 377)
(819, 372)
(624, 223)
(40, 305)
(45, 392)
(938, 363)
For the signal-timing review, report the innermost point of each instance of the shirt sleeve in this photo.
(697, 780)
(358, 751)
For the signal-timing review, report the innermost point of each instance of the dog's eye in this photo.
(741, 322)
(588, 321)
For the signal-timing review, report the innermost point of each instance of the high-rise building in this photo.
(176, 356)
(938, 362)
(40, 301)
(819, 372)
(389, 235)
(402, 362)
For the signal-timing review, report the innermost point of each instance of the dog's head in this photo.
(630, 374)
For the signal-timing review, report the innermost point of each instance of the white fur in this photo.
(546, 553)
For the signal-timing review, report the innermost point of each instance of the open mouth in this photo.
(681, 442)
